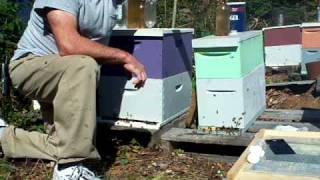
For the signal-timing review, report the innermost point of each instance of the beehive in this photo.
(310, 35)
(230, 80)
(231, 103)
(310, 42)
(167, 57)
(283, 45)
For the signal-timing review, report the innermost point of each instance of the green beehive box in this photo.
(231, 56)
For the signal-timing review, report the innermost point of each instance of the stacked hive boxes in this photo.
(283, 46)
(311, 42)
(230, 80)
(167, 57)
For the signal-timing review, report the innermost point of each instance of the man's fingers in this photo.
(144, 76)
(135, 80)
(139, 73)
(143, 79)
(140, 79)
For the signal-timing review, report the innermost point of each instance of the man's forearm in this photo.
(103, 54)
(69, 42)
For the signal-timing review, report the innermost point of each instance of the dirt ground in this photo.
(155, 164)
(290, 97)
(127, 157)
(131, 159)
(132, 162)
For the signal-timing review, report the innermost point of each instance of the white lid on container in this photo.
(224, 41)
(310, 24)
(282, 27)
(236, 3)
(150, 32)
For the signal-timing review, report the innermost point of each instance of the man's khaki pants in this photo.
(66, 89)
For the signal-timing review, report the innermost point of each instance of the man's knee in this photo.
(88, 63)
(83, 63)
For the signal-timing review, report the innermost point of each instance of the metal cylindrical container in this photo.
(238, 20)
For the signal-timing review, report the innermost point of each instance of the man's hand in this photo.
(135, 67)
(69, 42)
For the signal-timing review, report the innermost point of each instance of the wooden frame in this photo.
(238, 171)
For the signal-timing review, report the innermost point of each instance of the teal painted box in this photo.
(232, 56)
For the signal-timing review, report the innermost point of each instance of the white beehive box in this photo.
(231, 103)
(283, 45)
(150, 107)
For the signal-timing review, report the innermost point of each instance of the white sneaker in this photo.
(78, 172)
(3, 123)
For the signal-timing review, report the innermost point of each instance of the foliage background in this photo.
(16, 109)
(10, 27)
(200, 14)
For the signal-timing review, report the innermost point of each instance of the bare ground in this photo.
(132, 162)
(127, 158)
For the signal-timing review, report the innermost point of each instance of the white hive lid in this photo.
(282, 27)
(224, 41)
(150, 32)
(310, 24)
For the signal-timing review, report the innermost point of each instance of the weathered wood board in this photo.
(193, 136)
(284, 115)
(291, 83)
(180, 135)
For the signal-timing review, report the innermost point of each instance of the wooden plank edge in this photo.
(291, 115)
(299, 134)
(271, 176)
(192, 110)
(304, 82)
(238, 166)
(189, 136)
(156, 135)
(258, 125)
